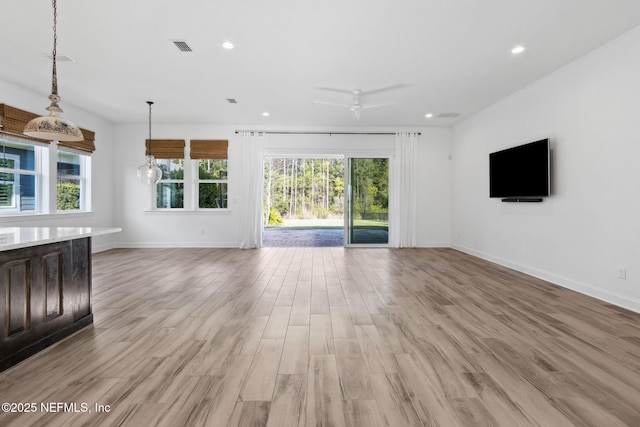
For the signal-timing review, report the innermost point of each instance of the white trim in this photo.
(27, 141)
(176, 211)
(45, 216)
(607, 296)
(163, 245)
(432, 245)
(102, 247)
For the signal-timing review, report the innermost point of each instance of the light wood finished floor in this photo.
(333, 337)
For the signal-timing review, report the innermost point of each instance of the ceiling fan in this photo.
(356, 106)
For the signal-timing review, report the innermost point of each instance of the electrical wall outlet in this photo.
(622, 273)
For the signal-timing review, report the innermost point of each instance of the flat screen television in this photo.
(522, 173)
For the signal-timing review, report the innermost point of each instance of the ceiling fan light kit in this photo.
(356, 105)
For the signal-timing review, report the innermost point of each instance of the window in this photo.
(169, 155)
(193, 182)
(211, 157)
(212, 184)
(38, 176)
(70, 184)
(19, 177)
(9, 184)
(170, 189)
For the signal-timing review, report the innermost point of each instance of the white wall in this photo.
(103, 212)
(590, 227)
(143, 228)
(120, 200)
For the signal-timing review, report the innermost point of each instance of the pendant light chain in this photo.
(54, 76)
(149, 146)
(150, 104)
(54, 127)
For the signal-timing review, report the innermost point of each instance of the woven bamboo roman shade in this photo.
(13, 121)
(166, 148)
(209, 149)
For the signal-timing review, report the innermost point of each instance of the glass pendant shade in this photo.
(149, 173)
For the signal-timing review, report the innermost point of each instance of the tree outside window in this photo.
(212, 184)
(70, 181)
(170, 189)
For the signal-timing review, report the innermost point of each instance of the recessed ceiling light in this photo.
(517, 50)
(227, 45)
(428, 115)
(266, 114)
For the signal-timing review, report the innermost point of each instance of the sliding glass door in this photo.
(367, 214)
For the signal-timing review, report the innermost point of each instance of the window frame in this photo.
(191, 185)
(84, 178)
(198, 181)
(38, 172)
(15, 199)
(171, 181)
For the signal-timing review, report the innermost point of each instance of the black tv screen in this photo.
(520, 172)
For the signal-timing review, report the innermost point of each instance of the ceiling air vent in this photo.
(182, 45)
(448, 115)
(231, 101)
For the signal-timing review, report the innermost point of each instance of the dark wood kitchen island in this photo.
(45, 287)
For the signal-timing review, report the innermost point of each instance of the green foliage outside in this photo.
(315, 188)
(304, 188)
(274, 217)
(6, 182)
(370, 189)
(68, 196)
(170, 194)
(6, 194)
(210, 194)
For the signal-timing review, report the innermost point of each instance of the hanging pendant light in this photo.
(53, 127)
(149, 173)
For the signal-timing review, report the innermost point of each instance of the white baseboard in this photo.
(601, 294)
(163, 245)
(102, 247)
(434, 245)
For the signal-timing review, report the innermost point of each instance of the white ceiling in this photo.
(449, 55)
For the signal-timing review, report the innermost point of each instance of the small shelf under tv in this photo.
(522, 199)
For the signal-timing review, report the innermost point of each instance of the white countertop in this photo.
(24, 237)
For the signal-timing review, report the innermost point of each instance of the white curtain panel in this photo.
(405, 175)
(251, 156)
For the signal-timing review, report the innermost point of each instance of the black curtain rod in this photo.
(321, 133)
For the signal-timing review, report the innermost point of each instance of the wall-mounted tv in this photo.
(522, 173)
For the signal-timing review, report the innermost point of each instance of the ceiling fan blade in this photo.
(384, 89)
(332, 89)
(366, 107)
(332, 103)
